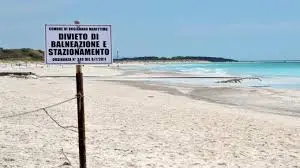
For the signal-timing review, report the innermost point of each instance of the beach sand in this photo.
(137, 124)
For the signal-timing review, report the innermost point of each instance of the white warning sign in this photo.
(78, 44)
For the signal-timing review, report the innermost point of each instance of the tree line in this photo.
(177, 58)
(28, 54)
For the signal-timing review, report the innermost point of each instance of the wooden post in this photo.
(80, 114)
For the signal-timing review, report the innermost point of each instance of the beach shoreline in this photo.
(230, 94)
(138, 123)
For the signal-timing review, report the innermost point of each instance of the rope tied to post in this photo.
(42, 108)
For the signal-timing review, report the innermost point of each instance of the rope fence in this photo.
(39, 109)
(44, 109)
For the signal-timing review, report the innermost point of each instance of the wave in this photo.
(274, 75)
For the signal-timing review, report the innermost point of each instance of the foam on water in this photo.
(275, 75)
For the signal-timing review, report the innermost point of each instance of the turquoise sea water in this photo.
(284, 75)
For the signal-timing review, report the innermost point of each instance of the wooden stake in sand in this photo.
(80, 114)
(78, 44)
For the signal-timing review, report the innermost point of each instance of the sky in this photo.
(237, 29)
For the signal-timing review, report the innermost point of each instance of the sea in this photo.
(272, 74)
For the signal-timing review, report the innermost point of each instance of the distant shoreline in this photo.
(147, 62)
(32, 55)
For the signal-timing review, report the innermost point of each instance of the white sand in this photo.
(132, 127)
(60, 70)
